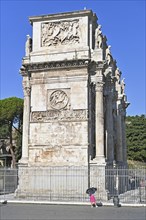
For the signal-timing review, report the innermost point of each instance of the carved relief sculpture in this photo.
(28, 46)
(108, 55)
(118, 75)
(98, 37)
(67, 115)
(60, 33)
(123, 86)
(58, 99)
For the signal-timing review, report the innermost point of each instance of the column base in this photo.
(23, 162)
(98, 160)
(52, 183)
(98, 180)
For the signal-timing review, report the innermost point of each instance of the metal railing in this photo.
(128, 184)
(71, 183)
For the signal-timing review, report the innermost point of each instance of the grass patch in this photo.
(132, 164)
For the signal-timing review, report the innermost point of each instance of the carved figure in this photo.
(98, 37)
(58, 115)
(118, 75)
(123, 86)
(28, 46)
(108, 51)
(26, 91)
(60, 33)
(58, 99)
(108, 54)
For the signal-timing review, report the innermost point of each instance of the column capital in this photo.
(26, 87)
(100, 65)
(97, 79)
(99, 86)
(26, 91)
(24, 71)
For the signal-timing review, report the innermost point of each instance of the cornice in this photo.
(66, 64)
(99, 65)
(64, 15)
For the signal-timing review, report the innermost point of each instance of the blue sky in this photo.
(123, 22)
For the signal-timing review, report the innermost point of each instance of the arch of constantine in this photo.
(74, 98)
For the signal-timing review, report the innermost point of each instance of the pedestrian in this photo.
(92, 200)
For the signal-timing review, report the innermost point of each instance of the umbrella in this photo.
(91, 190)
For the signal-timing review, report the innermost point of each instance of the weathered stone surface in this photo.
(74, 98)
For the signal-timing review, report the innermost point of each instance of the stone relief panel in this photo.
(60, 33)
(58, 155)
(67, 115)
(55, 134)
(58, 99)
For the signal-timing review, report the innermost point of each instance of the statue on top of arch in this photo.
(123, 86)
(28, 45)
(98, 38)
(108, 55)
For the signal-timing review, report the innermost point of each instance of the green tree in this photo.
(11, 116)
(136, 137)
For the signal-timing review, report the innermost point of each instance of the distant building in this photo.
(5, 155)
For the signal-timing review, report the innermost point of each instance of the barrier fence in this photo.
(71, 183)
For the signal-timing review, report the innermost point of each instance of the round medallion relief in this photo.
(58, 99)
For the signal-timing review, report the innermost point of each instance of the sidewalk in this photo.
(11, 199)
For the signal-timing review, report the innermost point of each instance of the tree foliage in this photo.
(136, 137)
(11, 116)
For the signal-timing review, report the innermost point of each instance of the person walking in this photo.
(92, 201)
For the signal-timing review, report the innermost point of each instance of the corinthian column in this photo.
(124, 139)
(119, 147)
(109, 128)
(26, 112)
(125, 105)
(99, 122)
(97, 80)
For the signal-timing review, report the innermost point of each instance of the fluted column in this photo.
(99, 121)
(90, 36)
(109, 128)
(109, 93)
(97, 80)
(97, 165)
(119, 147)
(124, 137)
(26, 115)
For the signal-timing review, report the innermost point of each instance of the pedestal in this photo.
(97, 179)
(64, 183)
